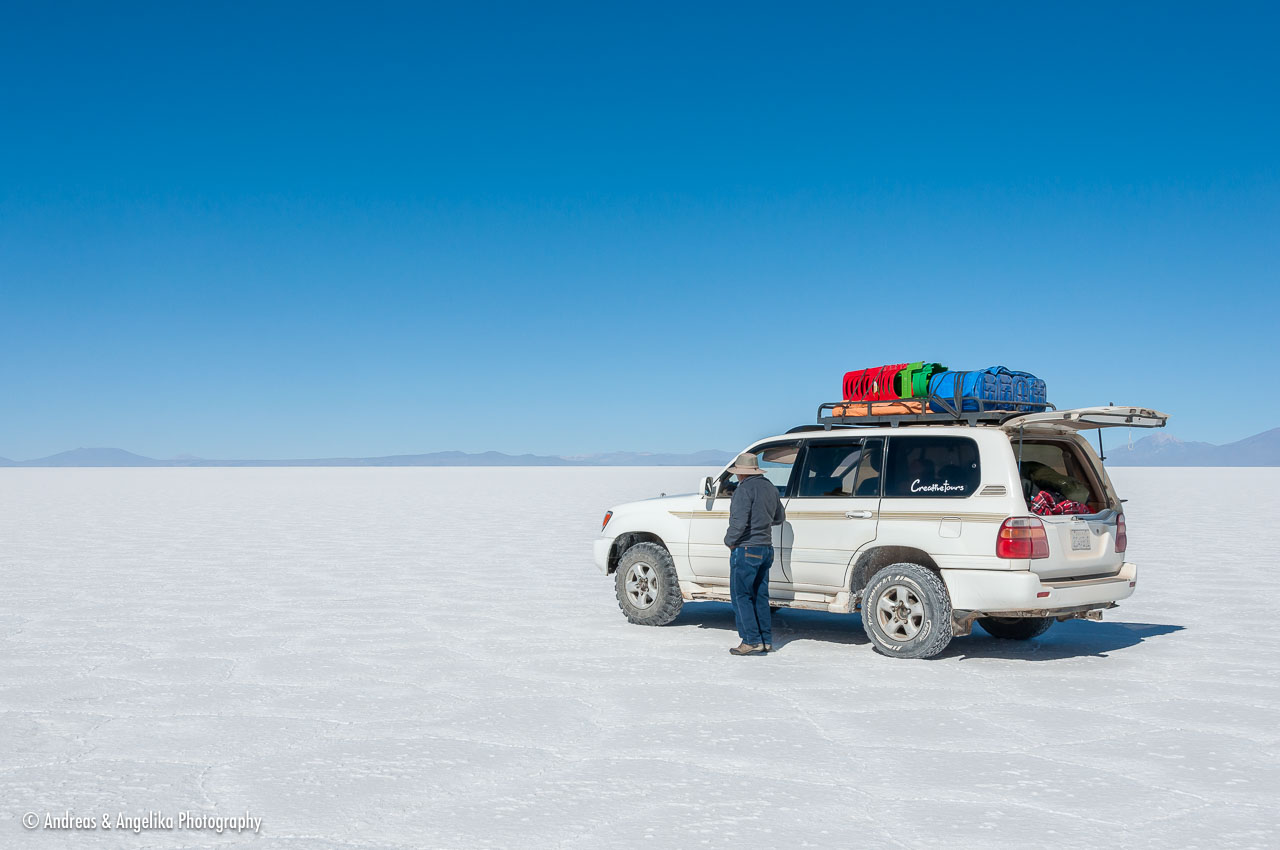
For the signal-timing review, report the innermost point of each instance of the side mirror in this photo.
(708, 488)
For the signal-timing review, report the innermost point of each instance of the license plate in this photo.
(1081, 540)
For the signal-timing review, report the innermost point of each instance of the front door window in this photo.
(708, 555)
(776, 463)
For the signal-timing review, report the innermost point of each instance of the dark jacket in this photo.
(755, 507)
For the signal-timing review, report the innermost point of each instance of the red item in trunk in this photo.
(1046, 505)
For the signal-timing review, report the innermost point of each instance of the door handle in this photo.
(858, 514)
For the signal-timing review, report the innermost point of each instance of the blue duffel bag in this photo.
(953, 392)
(1029, 392)
(993, 388)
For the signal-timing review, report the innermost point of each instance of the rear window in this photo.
(1058, 467)
(931, 467)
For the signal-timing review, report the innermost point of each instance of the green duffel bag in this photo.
(920, 378)
(904, 380)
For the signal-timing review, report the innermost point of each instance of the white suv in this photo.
(923, 527)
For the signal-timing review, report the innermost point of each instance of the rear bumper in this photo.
(600, 550)
(989, 591)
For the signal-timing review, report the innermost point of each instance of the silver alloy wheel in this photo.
(642, 584)
(900, 612)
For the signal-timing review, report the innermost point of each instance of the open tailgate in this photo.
(1085, 418)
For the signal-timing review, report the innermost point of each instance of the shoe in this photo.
(768, 647)
(748, 649)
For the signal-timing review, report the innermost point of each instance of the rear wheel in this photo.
(646, 585)
(906, 611)
(1015, 628)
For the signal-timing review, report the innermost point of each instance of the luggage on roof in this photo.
(924, 391)
(889, 383)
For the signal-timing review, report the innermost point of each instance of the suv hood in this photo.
(657, 503)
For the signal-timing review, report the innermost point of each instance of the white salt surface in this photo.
(396, 658)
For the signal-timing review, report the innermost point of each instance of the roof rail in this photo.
(800, 429)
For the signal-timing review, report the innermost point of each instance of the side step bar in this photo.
(837, 603)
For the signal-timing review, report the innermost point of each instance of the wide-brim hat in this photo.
(745, 464)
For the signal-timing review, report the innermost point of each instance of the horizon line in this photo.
(115, 457)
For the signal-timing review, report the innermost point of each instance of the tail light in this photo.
(608, 515)
(1022, 537)
(1122, 535)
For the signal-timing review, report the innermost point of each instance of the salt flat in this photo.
(396, 658)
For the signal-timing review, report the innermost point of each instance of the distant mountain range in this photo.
(1166, 450)
(120, 457)
(1155, 450)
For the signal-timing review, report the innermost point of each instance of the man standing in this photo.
(754, 510)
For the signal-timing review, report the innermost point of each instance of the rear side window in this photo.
(842, 470)
(932, 467)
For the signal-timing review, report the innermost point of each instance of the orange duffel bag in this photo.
(879, 408)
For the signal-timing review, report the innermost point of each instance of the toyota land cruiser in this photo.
(923, 527)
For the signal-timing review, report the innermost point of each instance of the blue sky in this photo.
(292, 230)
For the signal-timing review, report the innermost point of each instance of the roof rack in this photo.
(934, 410)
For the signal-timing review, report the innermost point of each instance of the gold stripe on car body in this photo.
(888, 516)
(907, 516)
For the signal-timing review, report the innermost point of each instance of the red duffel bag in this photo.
(875, 384)
(855, 385)
(884, 382)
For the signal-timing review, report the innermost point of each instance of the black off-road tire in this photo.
(651, 566)
(1016, 628)
(915, 621)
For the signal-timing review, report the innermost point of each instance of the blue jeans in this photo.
(749, 590)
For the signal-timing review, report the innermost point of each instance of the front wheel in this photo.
(906, 612)
(646, 585)
(1015, 628)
